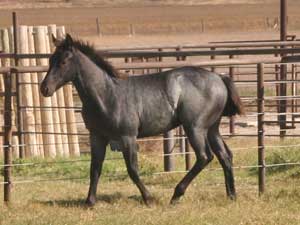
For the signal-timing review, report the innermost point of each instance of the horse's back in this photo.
(180, 96)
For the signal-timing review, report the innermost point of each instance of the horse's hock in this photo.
(46, 126)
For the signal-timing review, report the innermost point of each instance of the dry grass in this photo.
(119, 201)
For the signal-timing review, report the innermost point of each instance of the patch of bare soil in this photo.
(8, 4)
(153, 17)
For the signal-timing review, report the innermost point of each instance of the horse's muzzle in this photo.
(45, 90)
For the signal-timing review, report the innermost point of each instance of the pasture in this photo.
(119, 202)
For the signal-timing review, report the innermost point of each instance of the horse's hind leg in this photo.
(130, 156)
(199, 142)
(224, 156)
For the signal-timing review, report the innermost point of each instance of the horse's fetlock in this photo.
(179, 190)
(210, 157)
(90, 201)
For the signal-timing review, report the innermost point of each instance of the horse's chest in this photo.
(95, 122)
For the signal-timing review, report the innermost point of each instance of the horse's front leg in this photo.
(98, 149)
(130, 155)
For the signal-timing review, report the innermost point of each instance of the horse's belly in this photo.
(158, 124)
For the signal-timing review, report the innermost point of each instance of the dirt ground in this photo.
(154, 17)
(156, 22)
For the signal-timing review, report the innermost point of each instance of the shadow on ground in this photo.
(80, 202)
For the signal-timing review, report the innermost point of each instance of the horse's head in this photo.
(62, 66)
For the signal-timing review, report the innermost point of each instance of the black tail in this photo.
(234, 104)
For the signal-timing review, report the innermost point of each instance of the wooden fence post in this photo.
(60, 32)
(52, 29)
(55, 109)
(46, 112)
(260, 128)
(26, 97)
(7, 137)
(70, 115)
(36, 96)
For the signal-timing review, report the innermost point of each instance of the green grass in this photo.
(119, 201)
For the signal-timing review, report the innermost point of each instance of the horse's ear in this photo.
(69, 40)
(55, 41)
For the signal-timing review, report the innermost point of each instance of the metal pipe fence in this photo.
(261, 133)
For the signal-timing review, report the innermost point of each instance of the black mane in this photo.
(93, 55)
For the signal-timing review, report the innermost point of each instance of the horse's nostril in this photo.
(44, 89)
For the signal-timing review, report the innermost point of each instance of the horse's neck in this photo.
(93, 84)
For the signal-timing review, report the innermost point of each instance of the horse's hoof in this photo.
(150, 201)
(174, 201)
(232, 197)
(90, 203)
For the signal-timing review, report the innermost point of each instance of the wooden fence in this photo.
(42, 123)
